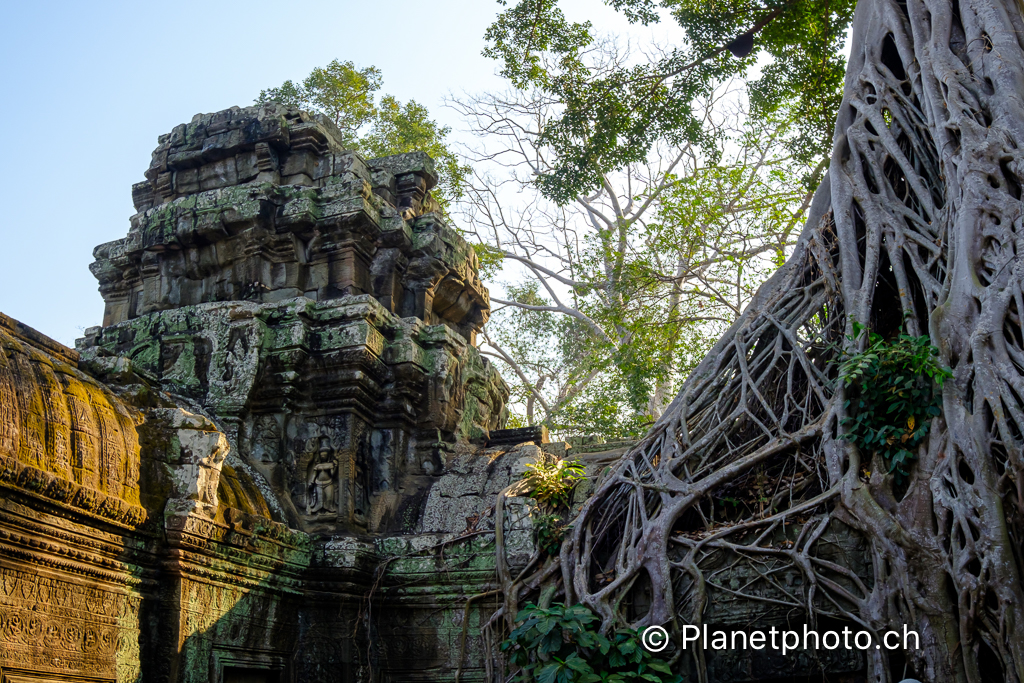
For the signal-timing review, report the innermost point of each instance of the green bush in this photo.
(891, 396)
(559, 644)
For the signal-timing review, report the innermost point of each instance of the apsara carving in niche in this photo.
(321, 483)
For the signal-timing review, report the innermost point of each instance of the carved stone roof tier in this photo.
(63, 435)
(263, 204)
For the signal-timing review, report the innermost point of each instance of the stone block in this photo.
(185, 158)
(247, 166)
(142, 195)
(186, 181)
(176, 138)
(218, 174)
(297, 179)
(221, 144)
(301, 162)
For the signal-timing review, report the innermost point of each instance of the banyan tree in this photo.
(915, 229)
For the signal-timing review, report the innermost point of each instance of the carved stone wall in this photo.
(235, 594)
(312, 303)
(335, 403)
(287, 350)
(70, 583)
(64, 627)
(62, 434)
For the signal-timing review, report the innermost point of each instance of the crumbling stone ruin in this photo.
(278, 458)
(206, 488)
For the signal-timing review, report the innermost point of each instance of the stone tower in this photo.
(314, 303)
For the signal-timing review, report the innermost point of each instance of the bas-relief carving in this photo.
(322, 481)
(65, 438)
(197, 474)
(343, 471)
(266, 443)
(56, 626)
(317, 362)
(60, 421)
(341, 370)
(235, 357)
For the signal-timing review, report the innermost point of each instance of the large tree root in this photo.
(920, 216)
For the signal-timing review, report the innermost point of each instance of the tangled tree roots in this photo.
(920, 216)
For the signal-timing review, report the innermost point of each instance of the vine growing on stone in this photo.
(919, 222)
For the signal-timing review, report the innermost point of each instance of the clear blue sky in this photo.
(88, 87)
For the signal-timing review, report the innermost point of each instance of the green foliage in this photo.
(556, 355)
(552, 481)
(733, 206)
(552, 355)
(347, 96)
(892, 396)
(662, 288)
(561, 644)
(529, 29)
(607, 408)
(550, 530)
(287, 93)
(516, 422)
(804, 40)
(339, 90)
(614, 116)
(490, 260)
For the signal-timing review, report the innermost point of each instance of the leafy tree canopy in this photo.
(347, 95)
(614, 118)
(618, 294)
(339, 90)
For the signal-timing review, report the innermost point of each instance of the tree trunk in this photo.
(920, 216)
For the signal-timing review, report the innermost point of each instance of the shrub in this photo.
(550, 531)
(558, 645)
(892, 396)
(552, 482)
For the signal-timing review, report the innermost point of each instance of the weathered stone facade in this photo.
(263, 204)
(300, 295)
(70, 586)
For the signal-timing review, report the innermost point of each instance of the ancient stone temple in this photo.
(278, 459)
(225, 479)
